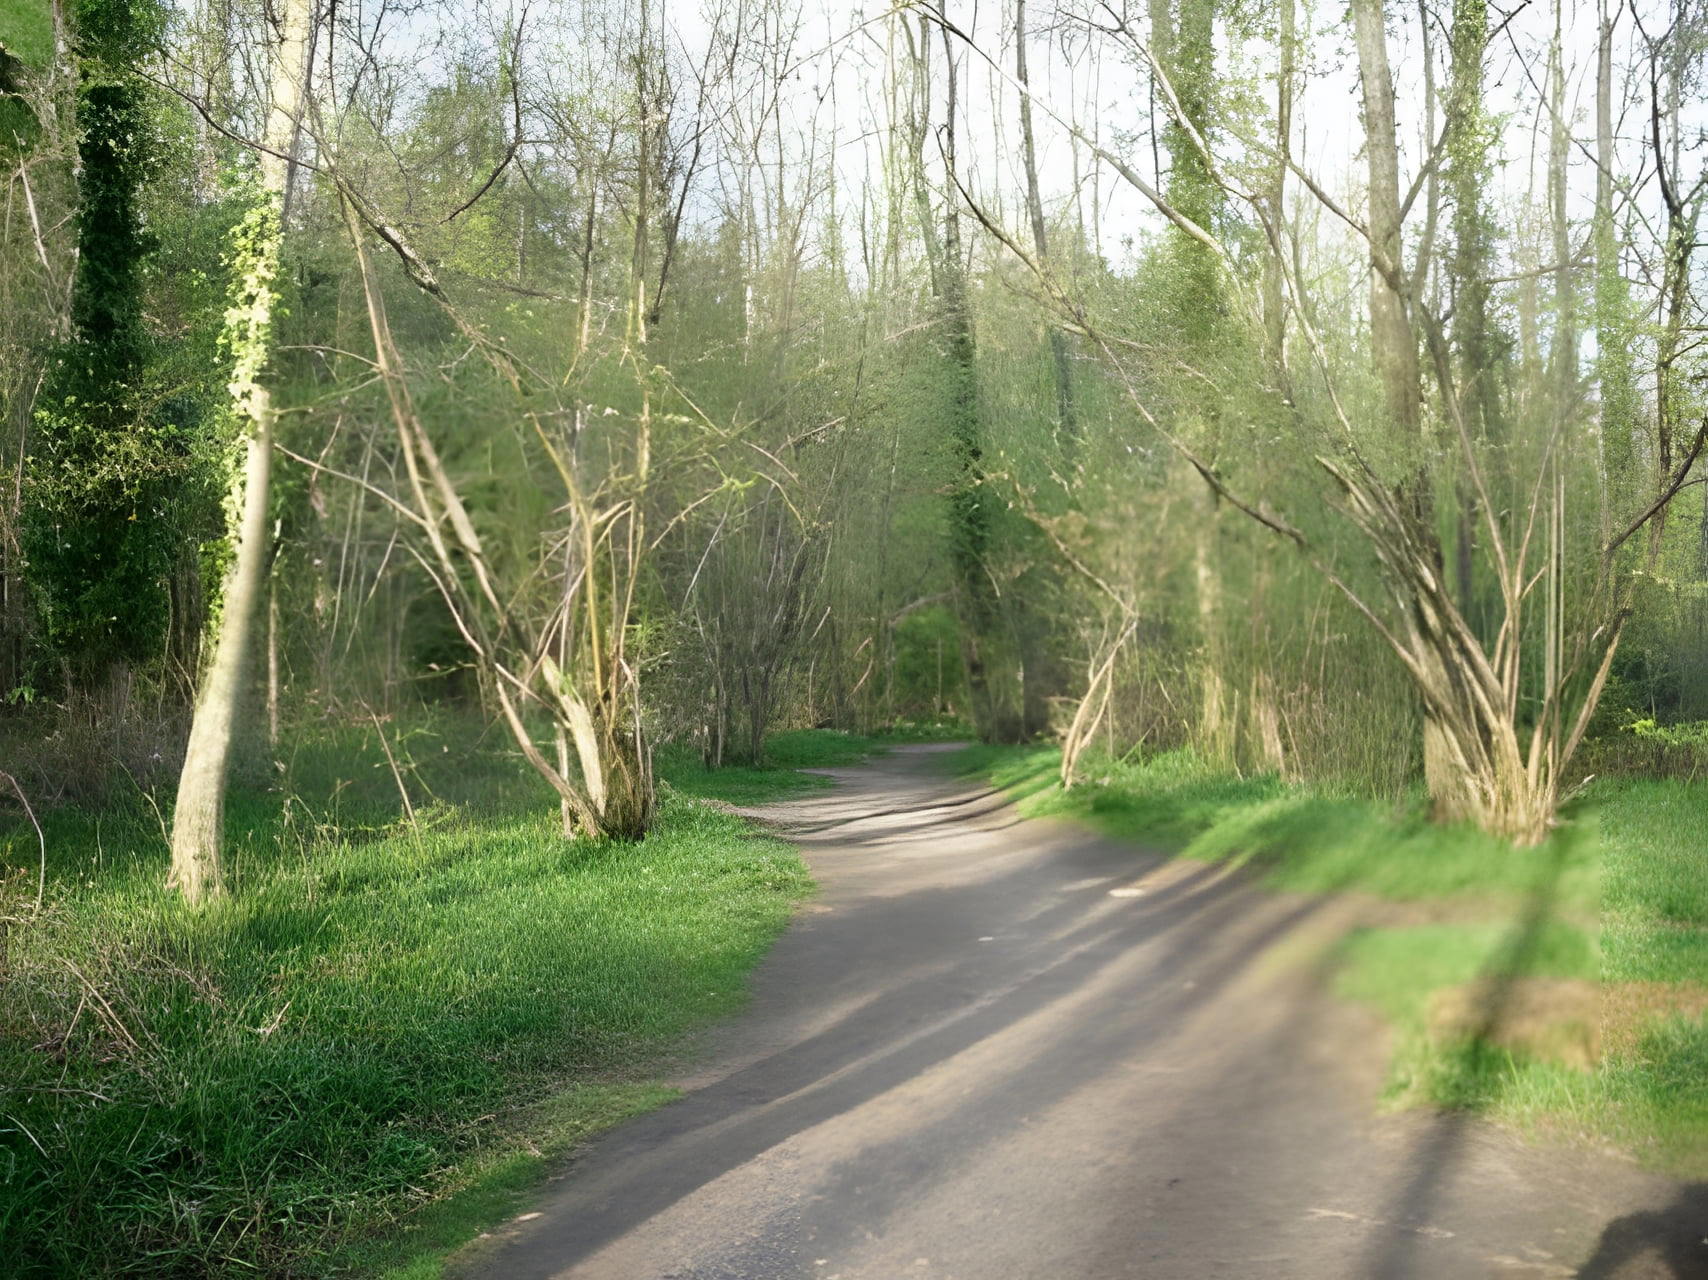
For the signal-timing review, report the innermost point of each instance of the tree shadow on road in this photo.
(1394, 1255)
(934, 1010)
(1676, 1237)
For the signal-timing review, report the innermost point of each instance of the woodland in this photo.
(451, 450)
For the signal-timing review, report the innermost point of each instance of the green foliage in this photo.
(100, 530)
(927, 673)
(364, 1026)
(1692, 735)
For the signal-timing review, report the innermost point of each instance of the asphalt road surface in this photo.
(995, 1049)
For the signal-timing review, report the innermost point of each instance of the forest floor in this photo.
(374, 1046)
(402, 1021)
(993, 1046)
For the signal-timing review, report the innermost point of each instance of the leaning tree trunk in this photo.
(198, 821)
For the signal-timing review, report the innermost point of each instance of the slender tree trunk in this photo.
(1614, 375)
(1214, 719)
(1468, 175)
(1041, 674)
(1394, 349)
(272, 664)
(1565, 371)
(1067, 428)
(1274, 301)
(969, 498)
(1265, 715)
(198, 820)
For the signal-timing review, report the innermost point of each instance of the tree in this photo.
(97, 526)
(971, 500)
(198, 820)
(1502, 716)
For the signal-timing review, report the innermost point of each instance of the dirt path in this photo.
(971, 1060)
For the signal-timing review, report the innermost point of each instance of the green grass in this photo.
(26, 29)
(778, 778)
(1655, 932)
(498, 1180)
(1398, 971)
(1618, 895)
(1656, 895)
(26, 32)
(1297, 837)
(380, 1019)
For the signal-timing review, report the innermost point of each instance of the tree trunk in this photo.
(1067, 429)
(198, 821)
(1214, 720)
(1186, 53)
(1041, 675)
(1468, 177)
(1394, 349)
(272, 664)
(1391, 339)
(970, 501)
(1614, 375)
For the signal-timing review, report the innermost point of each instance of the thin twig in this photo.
(41, 880)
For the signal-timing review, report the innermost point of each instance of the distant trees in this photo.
(626, 381)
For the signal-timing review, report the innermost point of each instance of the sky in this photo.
(1082, 75)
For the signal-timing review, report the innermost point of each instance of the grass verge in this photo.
(1561, 987)
(777, 777)
(388, 1024)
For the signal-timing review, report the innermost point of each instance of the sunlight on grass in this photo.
(1614, 902)
(1297, 838)
(26, 29)
(380, 1015)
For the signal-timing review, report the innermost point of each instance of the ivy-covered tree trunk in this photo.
(977, 606)
(198, 821)
(1183, 44)
(96, 533)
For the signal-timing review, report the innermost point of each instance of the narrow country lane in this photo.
(972, 1058)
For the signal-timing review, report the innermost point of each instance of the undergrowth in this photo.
(383, 1012)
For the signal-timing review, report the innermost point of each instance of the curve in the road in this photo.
(995, 1049)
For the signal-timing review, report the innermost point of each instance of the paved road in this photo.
(1003, 1050)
